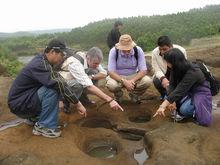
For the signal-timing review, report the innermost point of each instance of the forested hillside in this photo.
(8, 64)
(181, 27)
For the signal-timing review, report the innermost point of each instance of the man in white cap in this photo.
(127, 69)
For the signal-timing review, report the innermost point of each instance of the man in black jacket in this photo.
(114, 34)
(36, 91)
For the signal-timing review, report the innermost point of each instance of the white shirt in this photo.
(159, 64)
(73, 69)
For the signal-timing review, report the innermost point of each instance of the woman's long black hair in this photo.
(179, 64)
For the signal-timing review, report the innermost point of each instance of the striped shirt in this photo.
(73, 69)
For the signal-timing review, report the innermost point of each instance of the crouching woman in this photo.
(189, 92)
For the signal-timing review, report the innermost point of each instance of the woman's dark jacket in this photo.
(192, 78)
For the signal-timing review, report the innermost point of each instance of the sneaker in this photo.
(134, 98)
(177, 117)
(163, 97)
(46, 132)
(173, 113)
(29, 122)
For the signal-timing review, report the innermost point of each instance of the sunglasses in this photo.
(60, 50)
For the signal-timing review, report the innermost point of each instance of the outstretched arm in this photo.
(96, 91)
(162, 108)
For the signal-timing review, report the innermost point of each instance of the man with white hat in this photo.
(127, 69)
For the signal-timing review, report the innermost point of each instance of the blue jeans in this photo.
(49, 100)
(187, 108)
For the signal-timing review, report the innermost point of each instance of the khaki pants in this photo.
(140, 88)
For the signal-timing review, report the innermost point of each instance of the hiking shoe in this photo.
(46, 132)
(134, 98)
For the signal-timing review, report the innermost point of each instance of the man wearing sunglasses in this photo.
(36, 90)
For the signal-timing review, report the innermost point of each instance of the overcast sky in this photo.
(25, 15)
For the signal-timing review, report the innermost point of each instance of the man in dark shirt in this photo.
(36, 90)
(114, 34)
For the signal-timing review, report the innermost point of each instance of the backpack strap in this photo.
(116, 54)
(73, 53)
(136, 53)
(78, 57)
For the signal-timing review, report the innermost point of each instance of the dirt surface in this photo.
(166, 142)
(208, 50)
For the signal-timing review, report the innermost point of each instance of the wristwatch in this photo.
(122, 80)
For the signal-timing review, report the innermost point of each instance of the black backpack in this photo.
(70, 52)
(135, 54)
(214, 84)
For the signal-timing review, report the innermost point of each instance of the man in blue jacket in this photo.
(36, 90)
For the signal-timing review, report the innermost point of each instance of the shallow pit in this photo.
(102, 148)
(141, 118)
(95, 123)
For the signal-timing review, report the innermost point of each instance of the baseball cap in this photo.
(58, 44)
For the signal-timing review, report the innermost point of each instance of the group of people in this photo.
(61, 76)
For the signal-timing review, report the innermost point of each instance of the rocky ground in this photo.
(166, 142)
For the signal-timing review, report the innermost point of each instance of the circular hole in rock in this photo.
(143, 118)
(133, 134)
(101, 148)
(95, 123)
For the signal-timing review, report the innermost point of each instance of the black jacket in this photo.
(23, 97)
(192, 78)
(113, 37)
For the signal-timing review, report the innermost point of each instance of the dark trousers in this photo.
(89, 71)
(77, 88)
(159, 87)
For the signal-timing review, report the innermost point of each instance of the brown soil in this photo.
(2, 70)
(167, 142)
